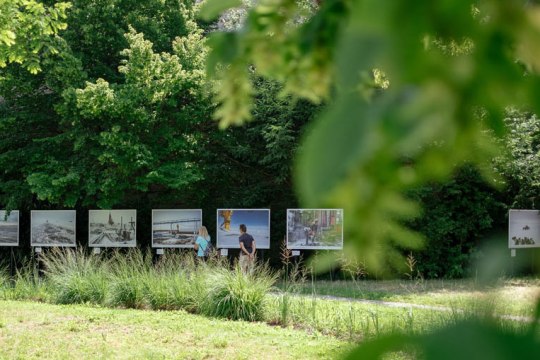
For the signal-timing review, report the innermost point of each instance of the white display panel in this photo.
(175, 228)
(112, 228)
(9, 228)
(523, 229)
(52, 228)
(315, 229)
(257, 222)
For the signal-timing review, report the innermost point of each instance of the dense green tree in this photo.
(457, 216)
(28, 31)
(519, 165)
(97, 27)
(71, 142)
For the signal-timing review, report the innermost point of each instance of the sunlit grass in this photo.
(31, 330)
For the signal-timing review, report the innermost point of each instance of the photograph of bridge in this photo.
(175, 228)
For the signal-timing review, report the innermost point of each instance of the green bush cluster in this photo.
(456, 216)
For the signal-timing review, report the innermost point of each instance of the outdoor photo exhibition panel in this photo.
(112, 228)
(257, 222)
(52, 228)
(175, 228)
(315, 229)
(9, 228)
(523, 229)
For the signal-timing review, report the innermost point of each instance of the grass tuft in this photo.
(76, 277)
(238, 296)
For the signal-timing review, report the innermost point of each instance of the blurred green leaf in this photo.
(466, 340)
(211, 9)
(224, 51)
(339, 140)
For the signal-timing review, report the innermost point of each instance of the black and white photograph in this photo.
(175, 228)
(112, 228)
(257, 222)
(523, 229)
(9, 228)
(315, 229)
(53, 228)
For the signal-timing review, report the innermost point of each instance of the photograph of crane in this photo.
(112, 228)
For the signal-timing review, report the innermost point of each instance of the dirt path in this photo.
(409, 306)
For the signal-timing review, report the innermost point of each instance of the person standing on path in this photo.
(201, 243)
(247, 249)
(314, 230)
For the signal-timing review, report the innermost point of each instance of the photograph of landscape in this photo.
(112, 228)
(314, 229)
(175, 228)
(53, 228)
(257, 222)
(9, 228)
(523, 229)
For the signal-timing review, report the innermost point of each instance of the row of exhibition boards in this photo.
(307, 229)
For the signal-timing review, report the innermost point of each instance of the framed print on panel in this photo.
(315, 229)
(52, 228)
(523, 229)
(175, 228)
(112, 228)
(257, 222)
(9, 228)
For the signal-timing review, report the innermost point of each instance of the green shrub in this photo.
(238, 296)
(457, 215)
(175, 283)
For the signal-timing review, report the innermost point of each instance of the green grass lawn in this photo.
(509, 297)
(30, 330)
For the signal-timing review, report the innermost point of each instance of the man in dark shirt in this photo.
(247, 249)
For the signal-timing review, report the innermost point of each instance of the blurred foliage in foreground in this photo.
(453, 68)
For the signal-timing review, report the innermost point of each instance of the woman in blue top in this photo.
(201, 243)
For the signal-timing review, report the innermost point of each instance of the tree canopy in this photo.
(28, 32)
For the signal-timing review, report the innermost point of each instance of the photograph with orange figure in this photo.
(257, 222)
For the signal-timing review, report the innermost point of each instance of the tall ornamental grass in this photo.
(4, 282)
(235, 295)
(76, 277)
(28, 285)
(130, 272)
(176, 282)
